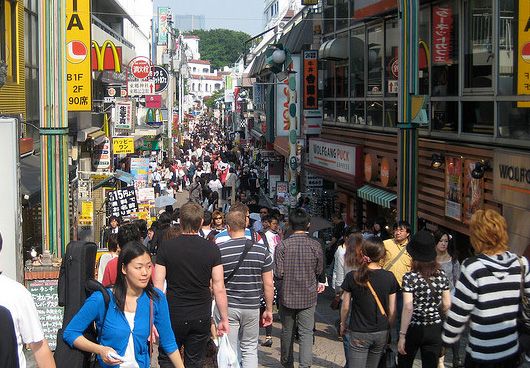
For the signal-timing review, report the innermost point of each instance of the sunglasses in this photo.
(217, 218)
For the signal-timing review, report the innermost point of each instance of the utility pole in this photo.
(53, 126)
(408, 132)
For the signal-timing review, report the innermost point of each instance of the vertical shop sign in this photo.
(78, 50)
(285, 100)
(310, 80)
(442, 26)
(162, 25)
(453, 188)
(473, 191)
(123, 118)
(523, 61)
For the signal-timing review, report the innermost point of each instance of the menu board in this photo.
(44, 293)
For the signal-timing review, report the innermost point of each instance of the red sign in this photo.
(442, 26)
(369, 8)
(310, 82)
(153, 101)
(106, 57)
(140, 67)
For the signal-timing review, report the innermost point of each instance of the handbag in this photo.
(523, 318)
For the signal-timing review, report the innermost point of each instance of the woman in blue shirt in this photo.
(124, 328)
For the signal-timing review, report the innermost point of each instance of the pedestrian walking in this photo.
(369, 299)
(426, 298)
(298, 263)
(488, 296)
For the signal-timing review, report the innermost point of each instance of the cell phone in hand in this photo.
(116, 356)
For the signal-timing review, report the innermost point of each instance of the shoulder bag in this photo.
(379, 305)
(248, 245)
(398, 256)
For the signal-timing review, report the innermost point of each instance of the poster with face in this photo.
(453, 188)
(473, 191)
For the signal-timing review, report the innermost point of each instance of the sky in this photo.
(238, 15)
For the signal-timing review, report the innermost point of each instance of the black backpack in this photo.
(76, 283)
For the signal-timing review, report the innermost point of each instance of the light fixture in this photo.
(480, 168)
(278, 56)
(437, 161)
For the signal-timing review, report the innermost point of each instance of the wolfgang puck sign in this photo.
(342, 158)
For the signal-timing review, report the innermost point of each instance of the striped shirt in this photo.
(488, 294)
(245, 287)
(224, 237)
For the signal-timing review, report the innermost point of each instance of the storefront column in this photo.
(408, 135)
(54, 126)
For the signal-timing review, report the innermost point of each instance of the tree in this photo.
(222, 47)
(210, 102)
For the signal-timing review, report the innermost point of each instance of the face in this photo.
(274, 225)
(113, 223)
(247, 222)
(400, 234)
(377, 227)
(443, 243)
(263, 212)
(217, 220)
(266, 224)
(138, 271)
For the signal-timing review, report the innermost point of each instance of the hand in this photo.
(153, 336)
(223, 327)
(401, 345)
(266, 318)
(104, 354)
(343, 328)
(321, 287)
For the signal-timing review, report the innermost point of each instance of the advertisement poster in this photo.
(453, 188)
(139, 168)
(442, 29)
(282, 191)
(473, 191)
(122, 202)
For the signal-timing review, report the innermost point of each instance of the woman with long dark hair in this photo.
(426, 298)
(124, 326)
(371, 293)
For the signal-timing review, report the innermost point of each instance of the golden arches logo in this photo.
(100, 55)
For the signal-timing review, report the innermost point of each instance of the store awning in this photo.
(30, 179)
(299, 36)
(376, 195)
(257, 65)
(335, 49)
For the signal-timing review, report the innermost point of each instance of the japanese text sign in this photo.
(523, 55)
(310, 80)
(122, 145)
(123, 115)
(122, 202)
(442, 26)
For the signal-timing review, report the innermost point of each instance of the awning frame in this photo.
(376, 195)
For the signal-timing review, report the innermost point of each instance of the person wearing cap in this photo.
(426, 297)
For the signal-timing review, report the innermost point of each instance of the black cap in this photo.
(421, 246)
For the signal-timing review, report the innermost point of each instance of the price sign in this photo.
(44, 293)
(122, 202)
(122, 145)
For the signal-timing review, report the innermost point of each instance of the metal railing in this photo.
(113, 33)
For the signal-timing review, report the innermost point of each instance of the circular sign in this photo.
(388, 172)
(76, 52)
(111, 91)
(394, 67)
(370, 167)
(292, 136)
(140, 67)
(525, 52)
(161, 77)
(293, 189)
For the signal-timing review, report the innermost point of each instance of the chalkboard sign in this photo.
(44, 293)
(122, 202)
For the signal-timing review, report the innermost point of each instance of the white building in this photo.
(274, 12)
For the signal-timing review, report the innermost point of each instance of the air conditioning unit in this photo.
(85, 164)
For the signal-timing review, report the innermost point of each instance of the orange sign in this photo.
(388, 172)
(310, 82)
(370, 167)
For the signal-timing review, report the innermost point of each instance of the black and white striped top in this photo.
(488, 296)
(244, 289)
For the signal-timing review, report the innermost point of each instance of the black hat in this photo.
(421, 247)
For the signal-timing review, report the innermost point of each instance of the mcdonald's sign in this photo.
(106, 57)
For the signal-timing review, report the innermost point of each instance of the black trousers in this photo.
(510, 362)
(427, 339)
(193, 335)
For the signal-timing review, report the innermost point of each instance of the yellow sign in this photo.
(87, 213)
(78, 66)
(523, 60)
(100, 55)
(122, 145)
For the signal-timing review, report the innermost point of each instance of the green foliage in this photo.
(210, 102)
(222, 47)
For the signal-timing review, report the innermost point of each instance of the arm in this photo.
(219, 292)
(391, 309)
(405, 321)
(82, 343)
(159, 277)
(345, 308)
(446, 301)
(320, 272)
(176, 359)
(338, 271)
(268, 291)
(279, 259)
(43, 354)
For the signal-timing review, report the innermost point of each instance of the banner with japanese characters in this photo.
(442, 27)
(121, 202)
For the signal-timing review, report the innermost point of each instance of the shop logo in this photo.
(525, 53)
(106, 57)
(76, 52)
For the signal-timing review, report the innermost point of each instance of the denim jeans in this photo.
(244, 335)
(365, 348)
(305, 321)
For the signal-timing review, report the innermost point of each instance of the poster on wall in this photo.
(453, 188)
(473, 191)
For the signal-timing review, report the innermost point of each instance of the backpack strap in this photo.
(248, 245)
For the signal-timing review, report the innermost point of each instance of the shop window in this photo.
(374, 113)
(357, 40)
(8, 38)
(391, 114)
(357, 113)
(329, 110)
(444, 116)
(375, 60)
(423, 51)
(341, 108)
(341, 80)
(478, 44)
(329, 16)
(392, 36)
(444, 49)
(329, 79)
(477, 117)
(342, 14)
(514, 121)
(508, 48)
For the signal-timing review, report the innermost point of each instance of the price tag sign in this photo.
(44, 293)
(122, 145)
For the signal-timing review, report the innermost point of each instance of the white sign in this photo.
(146, 194)
(101, 156)
(284, 100)
(312, 122)
(141, 88)
(313, 181)
(336, 157)
(123, 115)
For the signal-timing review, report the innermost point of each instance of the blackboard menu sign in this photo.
(44, 293)
(122, 202)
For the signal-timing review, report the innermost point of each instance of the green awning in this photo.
(376, 195)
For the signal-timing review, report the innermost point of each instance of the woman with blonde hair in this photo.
(487, 295)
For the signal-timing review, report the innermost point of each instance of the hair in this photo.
(353, 248)
(164, 220)
(265, 207)
(191, 215)
(425, 269)
(236, 220)
(133, 250)
(128, 233)
(299, 219)
(372, 250)
(142, 226)
(207, 218)
(173, 232)
(240, 207)
(112, 242)
(114, 217)
(488, 232)
(402, 224)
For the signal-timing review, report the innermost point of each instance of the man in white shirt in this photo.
(17, 299)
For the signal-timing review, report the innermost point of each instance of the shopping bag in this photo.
(226, 357)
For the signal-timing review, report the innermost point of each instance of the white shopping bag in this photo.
(226, 357)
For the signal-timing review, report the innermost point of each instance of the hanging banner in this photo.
(473, 191)
(310, 80)
(163, 13)
(121, 202)
(123, 115)
(523, 59)
(78, 50)
(453, 188)
(442, 27)
(284, 103)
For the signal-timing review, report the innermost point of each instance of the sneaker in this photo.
(268, 342)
